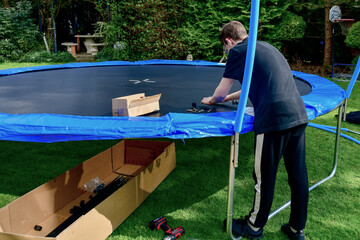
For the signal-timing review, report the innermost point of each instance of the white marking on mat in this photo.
(147, 80)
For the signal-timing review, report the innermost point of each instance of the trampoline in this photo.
(73, 101)
(323, 97)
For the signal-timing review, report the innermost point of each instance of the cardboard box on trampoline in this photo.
(147, 163)
(135, 105)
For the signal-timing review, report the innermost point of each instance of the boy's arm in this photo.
(220, 93)
(232, 96)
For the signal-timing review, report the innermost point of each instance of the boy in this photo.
(279, 125)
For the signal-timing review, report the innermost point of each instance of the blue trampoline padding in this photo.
(325, 96)
(58, 128)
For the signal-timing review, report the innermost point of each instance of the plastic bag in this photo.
(94, 185)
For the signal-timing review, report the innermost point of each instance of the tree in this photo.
(328, 34)
(353, 38)
(49, 10)
(144, 29)
(6, 3)
(290, 28)
(18, 33)
(312, 7)
(200, 29)
(346, 4)
(203, 19)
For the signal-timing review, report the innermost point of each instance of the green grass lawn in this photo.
(18, 65)
(194, 195)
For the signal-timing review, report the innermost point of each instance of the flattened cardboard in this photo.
(49, 204)
(135, 105)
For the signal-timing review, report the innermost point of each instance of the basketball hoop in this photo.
(345, 25)
(335, 13)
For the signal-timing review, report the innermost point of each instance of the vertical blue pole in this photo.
(40, 25)
(54, 26)
(234, 151)
(333, 50)
(353, 79)
(74, 22)
(249, 64)
(108, 12)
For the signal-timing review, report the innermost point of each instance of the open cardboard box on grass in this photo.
(135, 105)
(144, 164)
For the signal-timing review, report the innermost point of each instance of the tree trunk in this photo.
(6, 3)
(328, 35)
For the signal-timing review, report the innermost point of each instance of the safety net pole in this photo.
(249, 64)
(353, 79)
(351, 86)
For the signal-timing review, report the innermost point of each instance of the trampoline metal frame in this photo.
(234, 159)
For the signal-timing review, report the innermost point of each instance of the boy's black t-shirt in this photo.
(277, 102)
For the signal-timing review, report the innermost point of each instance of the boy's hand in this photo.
(226, 99)
(207, 101)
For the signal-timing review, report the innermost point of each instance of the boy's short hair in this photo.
(234, 30)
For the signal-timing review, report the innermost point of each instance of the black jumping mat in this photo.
(89, 91)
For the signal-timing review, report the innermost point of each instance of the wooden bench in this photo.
(71, 47)
(94, 47)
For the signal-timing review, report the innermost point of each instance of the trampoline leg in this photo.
(336, 151)
(336, 156)
(345, 109)
(234, 155)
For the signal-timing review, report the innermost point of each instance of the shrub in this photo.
(48, 57)
(18, 33)
(355, 60)
(149, 28)
(62, 57)
(111, 53)
(290, 27)
(353, 39)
